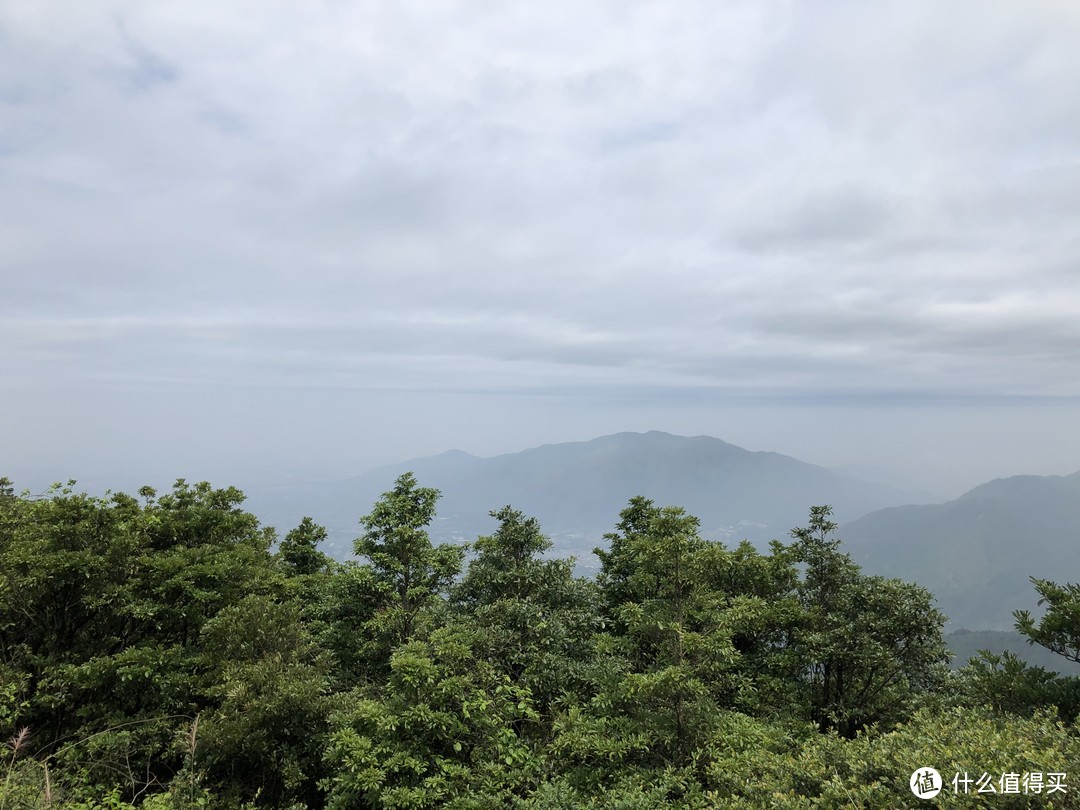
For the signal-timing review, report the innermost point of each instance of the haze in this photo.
(244, 240)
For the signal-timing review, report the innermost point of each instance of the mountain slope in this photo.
(577, 489)
(977, 552)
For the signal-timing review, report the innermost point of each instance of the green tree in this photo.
(410, 571)
(534, 620)
(343, 609)
(869, 646)
(622, 558)
(1058, 629)
(441, 732)
(102, 606)
(748, 596)
(1009, 686)
(300, 548)
(668, 657)
(263, 737)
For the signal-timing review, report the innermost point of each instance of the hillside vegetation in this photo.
(168, 651)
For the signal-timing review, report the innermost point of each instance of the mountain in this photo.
(977, 552)
(577, 489)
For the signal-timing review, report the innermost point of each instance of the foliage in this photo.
(965, 644)
(1059, 628)
(532, 618)
(694, 629)
(103, 607)
(265, 737)
(408, 571)
(871, 645)
(300, 549)
(157, 652)
(873, 769)
(1008, 686)
(443, 731)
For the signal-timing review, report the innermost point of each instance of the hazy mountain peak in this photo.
(1021, 485)
(976, 553)
(451, 455)
(655, 439)
(577, 489)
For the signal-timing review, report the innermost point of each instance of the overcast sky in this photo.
(243, 238)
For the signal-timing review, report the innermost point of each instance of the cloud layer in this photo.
(769, 199)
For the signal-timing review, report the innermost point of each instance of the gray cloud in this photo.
(757, 200)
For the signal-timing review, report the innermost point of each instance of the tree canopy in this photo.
(166, 651)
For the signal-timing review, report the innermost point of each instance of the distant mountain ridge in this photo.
(977, 552)
(576, 490)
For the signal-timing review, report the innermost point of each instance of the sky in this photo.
(257, 239)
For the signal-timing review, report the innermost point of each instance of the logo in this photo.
(925, 783)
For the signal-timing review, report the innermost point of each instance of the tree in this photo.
(747, 596)
(409, 571)
(300, 548)
(668, 655)
(1059, 628)
(533, 619)
(621, 559)
(440, 732)
(868, 646)
(102, 606)
(264, 738)
(1009, 686)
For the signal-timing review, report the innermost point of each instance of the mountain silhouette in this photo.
(577, 489)
(977, 552)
